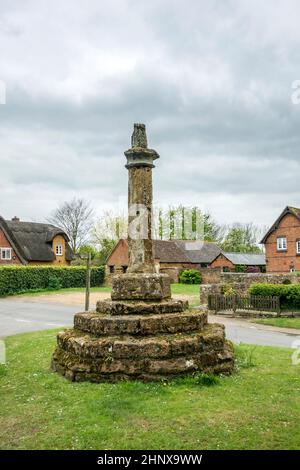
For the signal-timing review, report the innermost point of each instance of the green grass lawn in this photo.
(191, 290)
(186, 289)
(280, 322)
(256, 408)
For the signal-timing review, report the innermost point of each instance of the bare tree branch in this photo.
(76, 218)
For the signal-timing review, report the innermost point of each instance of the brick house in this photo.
(230, 261)
(282, 242)
(171, 256)
(33, 243)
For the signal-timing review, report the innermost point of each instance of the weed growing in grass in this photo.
(206, 380)
(245, 358)
(3, 370)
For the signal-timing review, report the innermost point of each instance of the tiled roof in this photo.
(167, 251)
(247, 259)
(199, 251)
(288, 210)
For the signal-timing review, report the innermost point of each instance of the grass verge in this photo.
(280, 322)
(256, 408)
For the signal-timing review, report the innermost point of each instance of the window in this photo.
(124, 269)
(111, 269)
(5, 253)
(58, 250)
(281, 244)
(298, 247)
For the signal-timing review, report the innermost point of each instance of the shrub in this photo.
(289, 294)
(286, 281)
(227, 289)
(20, 279)
(190, 276)
(240, 268)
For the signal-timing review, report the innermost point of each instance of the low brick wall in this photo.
(173, 273)
(211, 276)
(206, 290)
(253, 278)
(241, 282)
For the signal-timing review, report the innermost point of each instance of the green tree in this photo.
(241, 238)
(185, 223)
(86, 249)
(107, 231)
(212, 230)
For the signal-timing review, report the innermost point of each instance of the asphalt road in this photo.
(21, 317)
(18, 316)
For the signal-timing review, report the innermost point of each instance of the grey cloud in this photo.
(212, 82)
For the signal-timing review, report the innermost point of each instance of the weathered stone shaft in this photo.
(139, 164)
(140, 245)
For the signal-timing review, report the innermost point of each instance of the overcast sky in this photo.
(212, 81)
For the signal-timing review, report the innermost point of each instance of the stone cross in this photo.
(139, 137)
(139, 164)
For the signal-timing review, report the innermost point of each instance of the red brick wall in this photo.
(4, 243)
(278, 261)
(221, 262)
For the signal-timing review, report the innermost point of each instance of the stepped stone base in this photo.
(130, 340)
(142, 308)
(133, 286)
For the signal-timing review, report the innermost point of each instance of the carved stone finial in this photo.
(139, 137)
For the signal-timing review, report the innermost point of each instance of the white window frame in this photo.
(281, 244)
(298, 247)
(59, 250)
(7, 250)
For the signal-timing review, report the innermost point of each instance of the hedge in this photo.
(289, 294)
(20, 279)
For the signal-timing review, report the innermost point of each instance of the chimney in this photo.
(15, 219)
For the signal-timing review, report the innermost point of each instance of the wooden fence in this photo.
(219, 302)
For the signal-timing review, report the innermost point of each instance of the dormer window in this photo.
(281, 244)
(58, 250)
(298, 247)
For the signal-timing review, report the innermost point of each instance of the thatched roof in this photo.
(33, 241)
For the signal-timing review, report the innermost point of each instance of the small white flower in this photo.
(189, 363)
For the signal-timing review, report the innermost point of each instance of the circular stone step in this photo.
(76, 368)
(211, 337)
(113, 307)
(100, 324)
